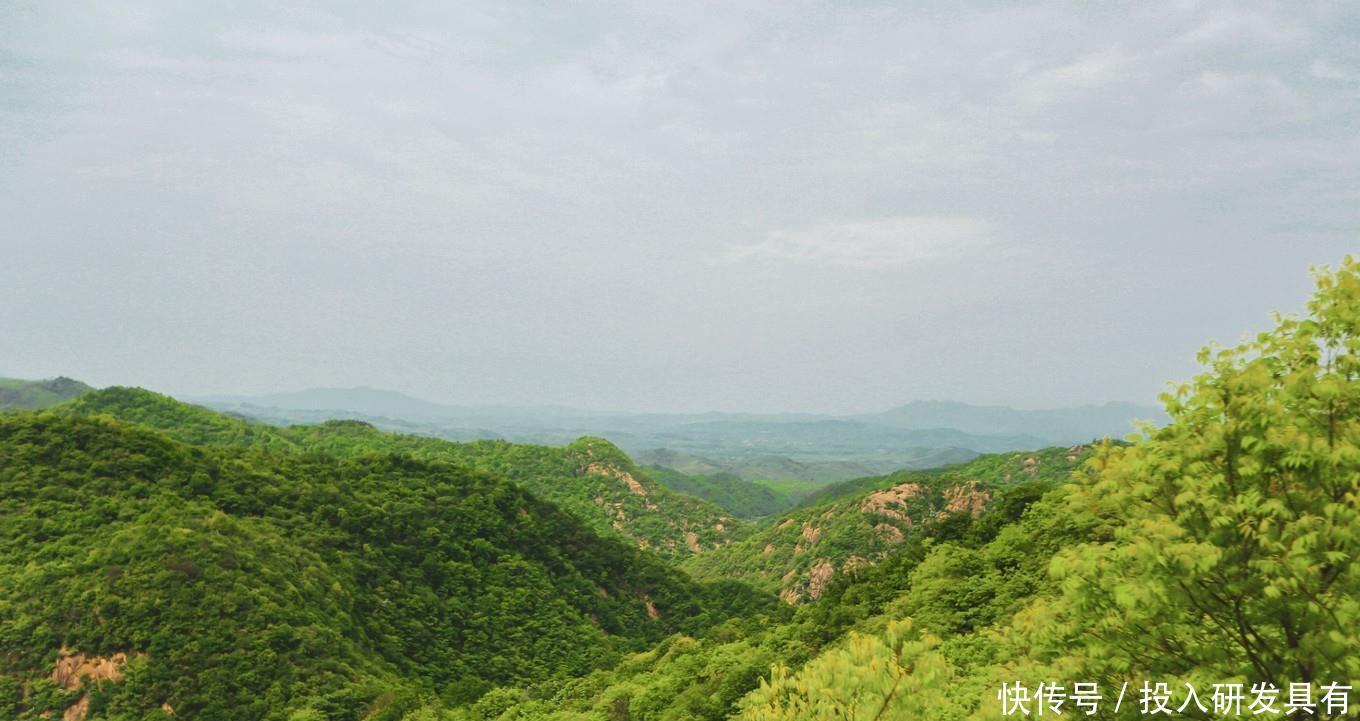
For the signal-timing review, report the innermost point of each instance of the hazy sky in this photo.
(667, 206)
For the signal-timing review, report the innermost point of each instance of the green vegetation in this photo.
(337, 573)
(743, 499)
(792, 489)
(589, 478)
(863, 521)
(32, 395)
(246, 585)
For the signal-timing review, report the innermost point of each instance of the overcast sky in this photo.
(667, 206)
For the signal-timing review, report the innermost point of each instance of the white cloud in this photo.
(1324, 70)
(1087, 73)
(870, 243)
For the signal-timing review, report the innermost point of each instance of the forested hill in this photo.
(226, 583)
(30, 395)
(590, 478)
(859, 523)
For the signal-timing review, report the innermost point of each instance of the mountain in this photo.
(359, 400)
(872, 443)
(1056, 426)
(739, 497)
(230, 583)
(819, 472)
(590, 477)
(861, 522)
(15, 393)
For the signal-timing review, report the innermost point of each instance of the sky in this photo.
(744, 206)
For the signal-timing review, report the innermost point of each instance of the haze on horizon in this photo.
(746, 206)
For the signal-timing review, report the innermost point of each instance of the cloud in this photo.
(869, 243)
(1324, 70)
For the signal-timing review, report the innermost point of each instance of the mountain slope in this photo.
(741, 498)
(22, 394)
(589, 478)
(858, 523)
(772, 467)
(222, 583)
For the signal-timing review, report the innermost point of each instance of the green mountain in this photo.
(590, 478)
(213, 582)
(784, 468)
(861, 522)
(741, 498)
(21, 394)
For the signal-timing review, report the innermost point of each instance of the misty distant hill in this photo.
(31, 395)
(811, 447)
(361, 400)
(1057, 426)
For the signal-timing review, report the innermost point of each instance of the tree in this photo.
(1231, 535)
(897, 674)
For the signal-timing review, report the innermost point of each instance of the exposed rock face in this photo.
(819, 575)
(74, 671)
(633, 484)
(77, 711)
(892, 535)
(854, 562)
(891, 502)
(965, 499)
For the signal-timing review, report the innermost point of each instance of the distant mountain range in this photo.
(817, 448)
(808, 446)
(1057, 425)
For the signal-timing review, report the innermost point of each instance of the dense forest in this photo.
(163, 560)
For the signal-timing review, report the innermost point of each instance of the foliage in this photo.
(608, 493)
(892, 675)
(741, 498)
(248, 585)
(863, 522)
(1231, 535)
(337, 572)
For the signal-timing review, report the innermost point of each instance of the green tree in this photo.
(1231, 535)
(897, 674)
